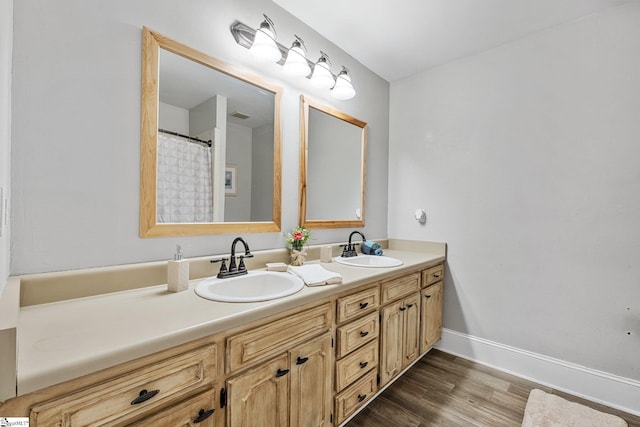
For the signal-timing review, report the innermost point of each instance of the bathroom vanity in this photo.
(149, 357)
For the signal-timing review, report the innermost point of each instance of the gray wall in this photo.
(6, 31)
(76, 126)
(526, 158)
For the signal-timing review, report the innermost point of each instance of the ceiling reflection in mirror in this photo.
(215, 134)
(333, 147)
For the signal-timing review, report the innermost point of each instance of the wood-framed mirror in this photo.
(210, 145)
(333, 148)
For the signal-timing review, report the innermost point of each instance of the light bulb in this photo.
(322, 77)
(264, 46)
(343, 89)
(296, 63)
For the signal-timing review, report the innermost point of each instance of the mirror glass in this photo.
(333, 147)
(210, 145)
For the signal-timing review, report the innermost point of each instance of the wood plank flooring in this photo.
(445, 390)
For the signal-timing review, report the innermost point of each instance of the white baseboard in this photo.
(612, 390)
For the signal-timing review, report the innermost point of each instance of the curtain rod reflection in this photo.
(190, 138)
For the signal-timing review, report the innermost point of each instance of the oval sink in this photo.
(252, 287)
(369, 261)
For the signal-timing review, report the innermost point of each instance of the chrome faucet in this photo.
(350, 248)
(236, 268)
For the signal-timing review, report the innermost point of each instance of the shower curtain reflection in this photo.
(184, 191)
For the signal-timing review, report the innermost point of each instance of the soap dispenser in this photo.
(178, 272)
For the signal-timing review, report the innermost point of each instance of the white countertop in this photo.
(63, 340)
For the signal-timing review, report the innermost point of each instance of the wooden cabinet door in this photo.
(260, 397)
(312, 383)
(411, 329)
(431, 316)
(391, 347)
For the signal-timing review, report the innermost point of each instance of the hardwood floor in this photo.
(445, 390)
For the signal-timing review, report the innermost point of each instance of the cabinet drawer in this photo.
(271, 339)
(112, 401)
(357, 304)
(190, 413)
(396, 288)
(353, 335)
(432, 275)
(356, 364)
(355, 396)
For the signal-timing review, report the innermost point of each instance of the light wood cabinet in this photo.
(396, 288)
(199, 411)
(260, 397)
(355, 397)
(355, 305)
(311, 382)
(399, 338)
(283, 370)
(356, 364)
(294, 389)
(275, 336)
(132, 395)
(431, 327)
(356, 333)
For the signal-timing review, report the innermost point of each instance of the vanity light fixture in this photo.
(262, 43)
(343, 88)
(322, 76)
(264, 47)
(296, 63)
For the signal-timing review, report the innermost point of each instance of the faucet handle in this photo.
(241, 266)
(223, 266)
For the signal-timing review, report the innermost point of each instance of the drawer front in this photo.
(271, 339)
(193, 412)
(356, 364)
(357, 304)
(432, 275)
(357, 333)
(396, 288)
(112, 401)
(355, 396)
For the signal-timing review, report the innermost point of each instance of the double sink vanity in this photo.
(145, 356)
(113, 347)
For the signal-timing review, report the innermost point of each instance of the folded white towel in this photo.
(315, 275)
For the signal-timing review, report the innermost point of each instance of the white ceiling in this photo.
(398, 38)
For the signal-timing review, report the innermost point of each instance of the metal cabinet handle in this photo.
(437, 276)
(361, 397)
(363, 365)
(364, 333)
(409, 305)
(301, 360)
(403, 308)
(144, 396)
(427, 296)
(281, 372)
(363, 305)
(203, 415)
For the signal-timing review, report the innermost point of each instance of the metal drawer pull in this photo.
(363, 305)
(409, 305)
(203, 415)
(281, 372)
(427, 296)
(364, 333)
(437, 276)
(363, 365)
(361, 397)
(144, 396)
(403, 308)
(301, 360)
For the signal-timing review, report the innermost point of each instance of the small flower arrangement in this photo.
(298, 237)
